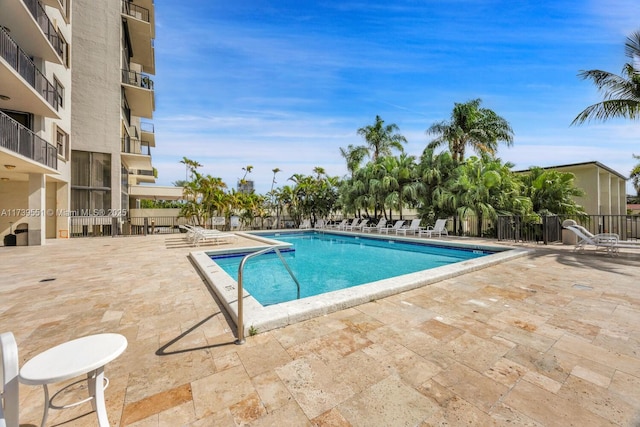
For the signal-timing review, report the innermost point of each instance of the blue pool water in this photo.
(328, 262)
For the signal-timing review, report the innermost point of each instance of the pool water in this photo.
(325, 262)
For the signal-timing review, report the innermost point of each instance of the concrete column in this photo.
(37, 209)
(62, 208)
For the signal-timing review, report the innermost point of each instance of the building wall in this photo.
(96, 81)
(605, 191)
(25, 198)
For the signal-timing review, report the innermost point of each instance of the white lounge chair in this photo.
(439, 228)
(346, 224)
(413, 228)
(606, 241)
(395, 227)
(621, 243)
(381, 224)
(306, 223)
(339, 226)
(359, 226)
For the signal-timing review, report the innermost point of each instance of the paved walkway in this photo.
(551, 339)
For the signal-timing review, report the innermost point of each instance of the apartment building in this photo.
(76, 100)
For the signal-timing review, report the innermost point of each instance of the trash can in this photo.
(10, 240)
(22, 234)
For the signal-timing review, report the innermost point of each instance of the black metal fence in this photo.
(546, 229)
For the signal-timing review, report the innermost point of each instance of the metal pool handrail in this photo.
(276, 249)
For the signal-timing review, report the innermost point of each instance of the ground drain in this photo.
(48, 280)
(582, 287)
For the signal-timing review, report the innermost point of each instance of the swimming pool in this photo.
(266, 317)
(324, 262)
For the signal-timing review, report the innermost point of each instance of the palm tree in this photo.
(480, 128)
(552, 191)
(635, 176)
(382, 139)
(353, 156)
(621, 93)
(190, 165)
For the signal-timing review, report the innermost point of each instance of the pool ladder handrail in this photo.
(276, 249)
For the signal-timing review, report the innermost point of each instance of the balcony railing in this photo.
(49, 30)
(19, 139)
(135, 146)
(135, 10)
(21, 62)
(137, 79)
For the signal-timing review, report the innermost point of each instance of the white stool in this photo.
(87, 355)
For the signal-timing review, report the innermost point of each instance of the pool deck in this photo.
(548, 339)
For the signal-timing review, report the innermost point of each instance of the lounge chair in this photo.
(339, 226)
(413, 228)
(306, 223)
(395, 227)
(358, 226)
(347, 224)
(439, 228)
(610, 242)
(215, 238)
(381, 224)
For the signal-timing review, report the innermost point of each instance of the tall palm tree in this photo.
(354, 156)
(470, 125)
(382, 139)
(621, 93)
(190, 165)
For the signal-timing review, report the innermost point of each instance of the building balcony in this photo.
(30, 26)
(140, 28)
(147, 133)
(57, 4)
(138, 90)
(24, 86)
(22, 151)
(141, 175)
(136, 154)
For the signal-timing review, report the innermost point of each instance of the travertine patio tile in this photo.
(271, 390)
(550, 409)
(472, 386)
(506, 372)
(221, 390)
(389, 402)
(260, 359)
(464, 351)
(359, 370)
(331, 346)
(477, 353)
(313, 385)
(599, 401)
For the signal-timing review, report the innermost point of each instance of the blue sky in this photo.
(285, 84)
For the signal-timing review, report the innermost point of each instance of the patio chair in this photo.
(413, 228)
(381, 224)
(339, 225)
(349, 224)
(606, 241)
(439, 228)
(395, 227)
(620, 243)
(306, 223)
(357, 226)
(215, 236)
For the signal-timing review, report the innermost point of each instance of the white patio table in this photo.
(87, 355)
